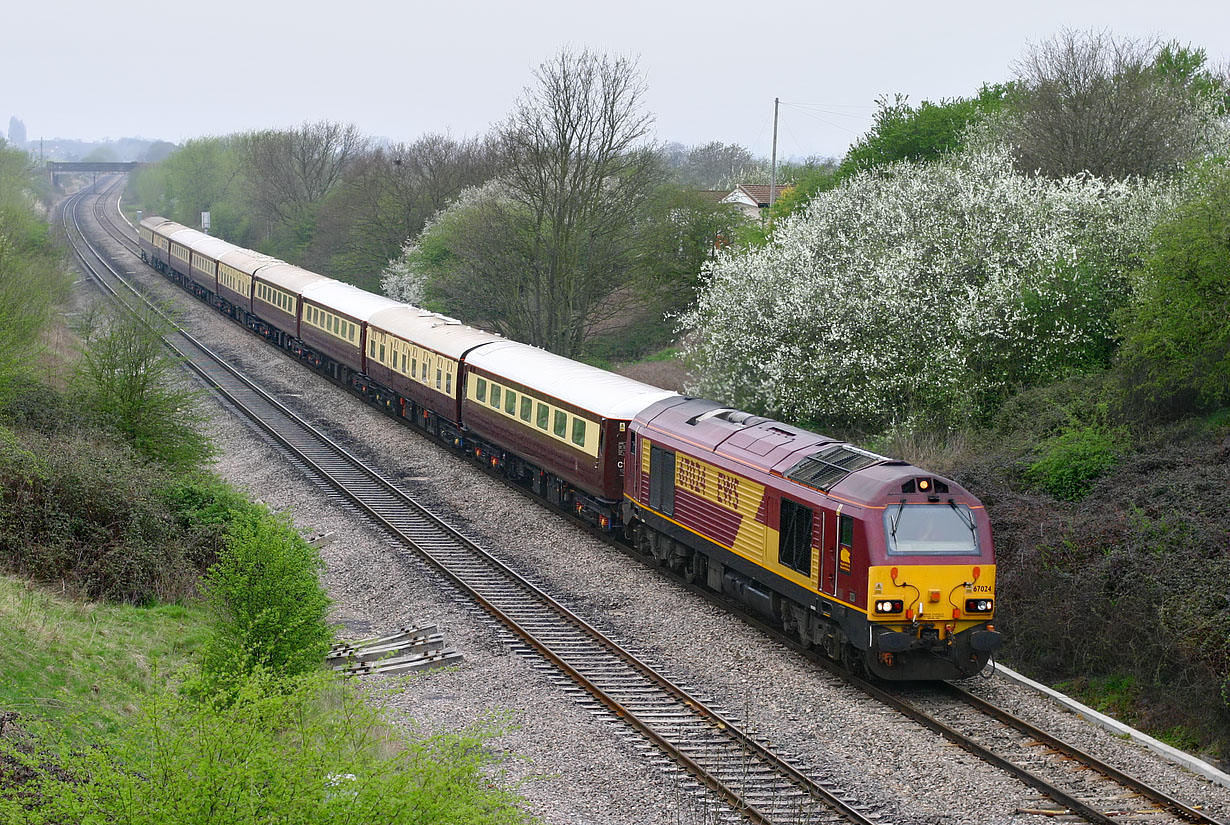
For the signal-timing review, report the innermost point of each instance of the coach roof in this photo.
(245, 260)
(346, 299)
(605, 393)
(437, 332)
(211, 247)
(290, 277)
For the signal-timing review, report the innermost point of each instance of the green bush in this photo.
(1175, 357)
(269, 607)
(79, 507)
(126, 380)
(308, 752)
(1072, 460)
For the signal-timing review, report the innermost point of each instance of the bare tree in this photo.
(291, 170)
(1091, 102)
(389, 193)
(716, 165)
(577, 175)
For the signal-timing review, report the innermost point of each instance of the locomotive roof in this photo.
(590, 388)
(346, 298)
(245, 260)
(290, 277)
(805, 458)
(445, 335)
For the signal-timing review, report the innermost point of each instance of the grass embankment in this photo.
(61, 657)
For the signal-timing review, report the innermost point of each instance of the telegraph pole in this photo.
(773, 165)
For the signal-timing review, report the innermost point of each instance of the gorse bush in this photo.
(923, 294)
(268, 605)
(311, 751)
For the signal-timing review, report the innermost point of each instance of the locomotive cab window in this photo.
(930, 529)
(794, 548)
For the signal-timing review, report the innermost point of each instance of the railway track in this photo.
(752, 781)
(1067, 781)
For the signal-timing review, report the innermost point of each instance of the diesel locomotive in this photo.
(878, 563)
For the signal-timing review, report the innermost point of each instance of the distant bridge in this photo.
(59, 167)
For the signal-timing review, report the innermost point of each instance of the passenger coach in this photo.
(556, 424)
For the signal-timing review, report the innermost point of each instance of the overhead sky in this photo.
(398, 68)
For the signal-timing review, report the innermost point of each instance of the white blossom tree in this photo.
(919, 295)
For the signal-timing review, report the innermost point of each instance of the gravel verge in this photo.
(571, 766)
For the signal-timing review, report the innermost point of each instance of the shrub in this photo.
(1073, 460)
(78, 506)
(1175, 358)
(126, 378)
(310, 751)
(268, 604)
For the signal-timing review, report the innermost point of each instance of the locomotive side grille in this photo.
(824, 469)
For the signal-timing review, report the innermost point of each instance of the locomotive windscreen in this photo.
(930, 529)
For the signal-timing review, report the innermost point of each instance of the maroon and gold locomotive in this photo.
(878, 562)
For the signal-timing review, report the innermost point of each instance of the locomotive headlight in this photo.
(889, 606)
(979, 605)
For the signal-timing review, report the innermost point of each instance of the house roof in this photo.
(759, 192)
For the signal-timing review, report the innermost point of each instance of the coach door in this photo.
(662, 480)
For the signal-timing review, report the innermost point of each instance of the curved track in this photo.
(753, 781)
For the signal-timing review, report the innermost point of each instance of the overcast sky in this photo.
(181, 69)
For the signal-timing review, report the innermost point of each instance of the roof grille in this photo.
(824, 469)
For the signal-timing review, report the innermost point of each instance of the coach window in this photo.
(794, 547)
(439, 378)
(527, 408)
(495, 396)
(544, 415)
(414, 367)
(561, 423)
(510, 402)
(448, 383)
(480, 391)
(381, 359)
(578, 432)
(403, 362)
